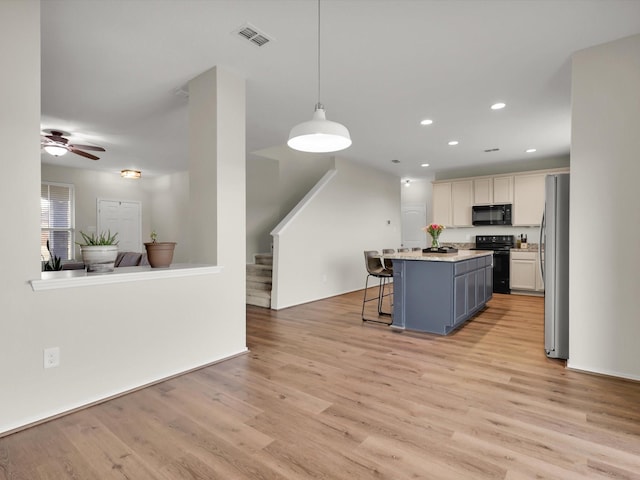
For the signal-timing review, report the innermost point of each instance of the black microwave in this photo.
(491, 214)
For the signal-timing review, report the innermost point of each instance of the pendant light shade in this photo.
(319, 135)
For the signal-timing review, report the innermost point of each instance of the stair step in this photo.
(264, 258)
(258, 293)
(259, 298)
(258, 285)
(259, 278)
(259, 270)
(259, 302)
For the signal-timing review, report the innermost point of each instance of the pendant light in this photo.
(319, 135)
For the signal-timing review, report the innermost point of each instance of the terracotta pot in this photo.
(160, 254)
(99, 258)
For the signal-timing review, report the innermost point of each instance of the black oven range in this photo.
(501, 245)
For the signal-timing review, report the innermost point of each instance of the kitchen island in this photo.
(438, 292)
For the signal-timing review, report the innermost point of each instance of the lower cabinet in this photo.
(525, 272)
(437, 296)
(473, 287)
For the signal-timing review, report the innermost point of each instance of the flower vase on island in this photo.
(434, 230)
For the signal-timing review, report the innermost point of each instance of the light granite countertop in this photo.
(459, 256)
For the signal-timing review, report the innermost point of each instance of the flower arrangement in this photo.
(434, 230)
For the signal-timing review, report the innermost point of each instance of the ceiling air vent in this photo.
(489, 150)
(254, 35)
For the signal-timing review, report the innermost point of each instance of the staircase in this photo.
(259, 280)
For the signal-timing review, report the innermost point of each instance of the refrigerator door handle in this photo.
(540, 245)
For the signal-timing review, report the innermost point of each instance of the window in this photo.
(57, 220)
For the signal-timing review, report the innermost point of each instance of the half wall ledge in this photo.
(80, 278)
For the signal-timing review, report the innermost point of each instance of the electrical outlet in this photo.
(51, 357)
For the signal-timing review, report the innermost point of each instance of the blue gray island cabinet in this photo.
(438, 292)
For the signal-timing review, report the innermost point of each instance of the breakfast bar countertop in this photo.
(459, 256)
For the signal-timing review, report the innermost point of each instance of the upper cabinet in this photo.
(461, 202)
(528, 201)
(483, 191)
(442, 204)
(503, 189)
(492, 190)
(452, 203)
(453, 199)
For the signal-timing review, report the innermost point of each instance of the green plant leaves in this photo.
(105, 238)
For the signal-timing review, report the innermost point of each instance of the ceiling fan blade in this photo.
(83, 154)
(57, 139)
(87, 147)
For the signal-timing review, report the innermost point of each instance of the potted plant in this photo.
(53, 264)
(99, 252)
(159, 254)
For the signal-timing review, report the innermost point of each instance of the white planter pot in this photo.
(99, 258)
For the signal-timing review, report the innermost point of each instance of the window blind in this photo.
(57, 220)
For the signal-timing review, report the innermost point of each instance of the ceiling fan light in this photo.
(319, 135)
(55, 150)
(131, 174)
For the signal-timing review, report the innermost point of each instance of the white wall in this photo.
(298, 173)
(114, 337)
(263, 204)
(543, 163)
(277, 179)
(420, 191)
(169, 211)
(605, 168)
(320, 253)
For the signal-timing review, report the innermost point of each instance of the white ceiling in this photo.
(111, 69)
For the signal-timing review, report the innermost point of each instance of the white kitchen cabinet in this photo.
(461, 202)
(491, 190)
(528, 199)
(483, 191)
(453, 200)
(525, 272)
(503, 189)
(452, 203)
(442, 204)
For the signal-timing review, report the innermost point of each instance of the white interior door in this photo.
(125, 218)
(414, 217)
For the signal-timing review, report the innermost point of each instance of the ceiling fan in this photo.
(55, 144)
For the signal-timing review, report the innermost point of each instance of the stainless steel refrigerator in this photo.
(554, 243)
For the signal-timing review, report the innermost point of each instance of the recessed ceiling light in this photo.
(426, 121)
(453, 142)
(424, 165)
(498, 106)
(530, 150)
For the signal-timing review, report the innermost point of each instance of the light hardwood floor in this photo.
(323, 396)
